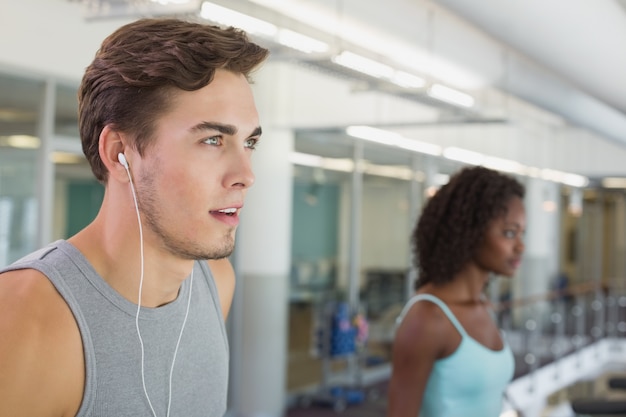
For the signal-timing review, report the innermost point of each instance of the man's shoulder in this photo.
(221, 268)
(39, 338)
(28, 300)
(32, 312)
(224, 278)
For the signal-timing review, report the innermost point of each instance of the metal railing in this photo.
(560, 337)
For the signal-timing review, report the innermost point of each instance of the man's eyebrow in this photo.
(256, 132)
(222, 128)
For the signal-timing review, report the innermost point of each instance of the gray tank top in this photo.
(111, 347)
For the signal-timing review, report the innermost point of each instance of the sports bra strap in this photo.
(442, 306)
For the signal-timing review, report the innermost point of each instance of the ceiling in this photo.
(566, 56)
(579, 42)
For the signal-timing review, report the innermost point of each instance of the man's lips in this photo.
(228, 215)
(227, 211)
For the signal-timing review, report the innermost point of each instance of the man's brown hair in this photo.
(134, 73)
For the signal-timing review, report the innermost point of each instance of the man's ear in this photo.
(110, 145)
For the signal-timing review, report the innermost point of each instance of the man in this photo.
(168, 124)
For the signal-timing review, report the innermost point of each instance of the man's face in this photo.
(191, 182)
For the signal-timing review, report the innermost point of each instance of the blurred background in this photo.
(367, 108)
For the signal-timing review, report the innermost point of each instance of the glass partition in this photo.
(66, 112)
(77, 195)
(19, 109)
(320, 250)
(388, 210)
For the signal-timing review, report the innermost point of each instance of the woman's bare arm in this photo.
(417, 345)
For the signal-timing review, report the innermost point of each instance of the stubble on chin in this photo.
(219, 249)
(172, 241)
(225, 248)
(186, 248)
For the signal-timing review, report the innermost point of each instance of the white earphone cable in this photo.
(141, 253)
(169, 400)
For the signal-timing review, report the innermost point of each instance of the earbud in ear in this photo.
(122, 159)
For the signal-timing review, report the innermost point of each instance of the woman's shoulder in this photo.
(424, 316)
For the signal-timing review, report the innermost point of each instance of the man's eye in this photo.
(214, 140)
(251, 143)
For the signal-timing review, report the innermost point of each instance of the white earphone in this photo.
(122, 160)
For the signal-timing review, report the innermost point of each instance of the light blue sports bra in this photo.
(471, 381)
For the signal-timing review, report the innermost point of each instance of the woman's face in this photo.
(503, 244)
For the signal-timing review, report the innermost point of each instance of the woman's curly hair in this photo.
(454, 221)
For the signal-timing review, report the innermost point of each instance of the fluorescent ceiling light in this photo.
(298, 158)
(388, 138)
(378, 70)
(463, 155)
(533, 172)
(347, 165)
(15, 115)
(260, 27)
(300, 42)
(389, 171)
(404, 79)
(230, 17)
(373, 134)
(575, 180)
(316, 161)
(614, 182)
(318, 16)
(338, 164)
(365, 65)
(66, 158)
(453, 153)
(450, 95)
(551, 175)
(505, 165)
(20, 141)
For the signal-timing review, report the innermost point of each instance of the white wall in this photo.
(319, 100)
(50, 37)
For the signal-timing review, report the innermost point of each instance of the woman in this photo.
(449, 358)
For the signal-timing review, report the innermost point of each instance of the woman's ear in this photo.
(110, 145)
